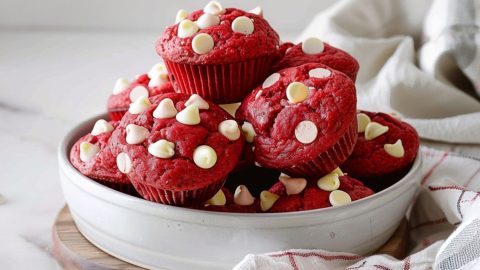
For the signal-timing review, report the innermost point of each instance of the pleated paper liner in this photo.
(328, 160)
(179, 198)
(222, 83)
(126, 188)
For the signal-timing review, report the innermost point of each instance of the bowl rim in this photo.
(202, 216)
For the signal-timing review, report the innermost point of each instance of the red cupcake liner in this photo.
(178, 198)
(328, 160)
(126, 188)
(117, 114)
(223, 83)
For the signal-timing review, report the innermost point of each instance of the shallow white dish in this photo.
(167, 237)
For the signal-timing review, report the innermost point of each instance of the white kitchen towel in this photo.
(388, 38)
(421, 59)
(449, 198)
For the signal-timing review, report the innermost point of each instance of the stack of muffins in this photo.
(234, 121)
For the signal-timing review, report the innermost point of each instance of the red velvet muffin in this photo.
(92, 157)
(291, 194)
(385, 149)
(181, 147)
(302, 120)
(282, 49)
(220, 54)
(313, 50)
(224, 201)
(294, 194)
(154, 83)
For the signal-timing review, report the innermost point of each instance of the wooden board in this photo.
(75, 252)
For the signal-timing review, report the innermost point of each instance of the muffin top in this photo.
(177, 142)
(155, 82)
(295, 196)
(313, 50)
(298, 113)
(92, 157)
(385, 145)
(291, 194)
(226, 201)
(216, 36)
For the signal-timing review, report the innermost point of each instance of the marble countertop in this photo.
(49, 81)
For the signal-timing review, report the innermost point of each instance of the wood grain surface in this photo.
(75, 252)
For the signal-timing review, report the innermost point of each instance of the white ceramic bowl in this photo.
(168, 237)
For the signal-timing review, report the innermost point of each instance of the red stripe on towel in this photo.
(430, 172)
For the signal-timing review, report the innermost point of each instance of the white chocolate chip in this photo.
(181, 15)
(229, 129)
(338, 171)
(319, 73)
(101, 126)
(124, 163)
(267, 200)
(157, 70)
(140, 105)
(248, 132)
(329, 182)
(259, 93)
(88, 151)
(283, 175)
(189, 116)
(257, 11)
(243, 25)
(296, 92)
(136, 134)
(120, 85)
(396, 115)
(162, 149)
(186, 28)
(306, 132)
(362, 121)
(155, 82)
(158, 75)
(395, 150)
(165, 109)
(312, 46)
(202, 43)
(204, 157)
(271, 80)
(373, 130)
(339, 198)
(230, 108)
(293, 185)
(214, 8)
(242, 196)
(197, 101)
(207, 20)
(218, 199)
(137, 92)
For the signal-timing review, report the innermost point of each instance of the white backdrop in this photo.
(143, 15)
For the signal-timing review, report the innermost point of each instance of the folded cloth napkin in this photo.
(420, 59)
(449, 198)
(384, 35)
